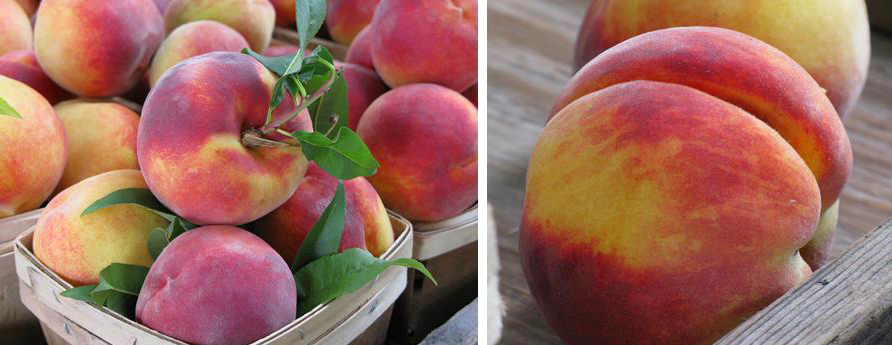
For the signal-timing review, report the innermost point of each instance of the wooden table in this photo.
(530, 52)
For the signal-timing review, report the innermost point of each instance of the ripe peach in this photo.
(190, 148)
(107, 54)
(830, 39)
(254, 19)
(22, 65)
(280, 49)
(346, 18)
(363, 87)
(360, 51)
(217, 284)
(426, 42)
(78, 247)
(285, 13)
(101, 138)
(193, 39)
(425, 137)
(366, 225)
(682, 169)
(15, 27)
(33, 149)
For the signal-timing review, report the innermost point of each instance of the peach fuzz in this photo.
(191, 151)
(217, 284)
(366, 223)
(830, 39)
(78, 247)
(733, 66)
(101, 138)
(22, 65)
(346, 18)
(193, 39)
(360, 51)
(285, 13)
(254, 19)
(107, 54)
(33, 149)
(426, 42)
(15, 27)
(363, 87)
(425, 137)
(662, 204)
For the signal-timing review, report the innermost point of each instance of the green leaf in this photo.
(324, 237)
(330, 112)
(8, 110)
(309, 15)
(123, 278)
(280, 65)
(80, 293)
(336, 275)
(157, 242)
(177, 227)
(138, 196)
(345, 157)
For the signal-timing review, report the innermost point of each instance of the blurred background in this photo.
(531, 52)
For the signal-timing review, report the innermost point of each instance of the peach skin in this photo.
(363, 87)
(15, 28)
(656, 213)
(22, 65)
(346, 18)
(101, 138)
(33, 149)
(78, 247)
(360, 51)
(108, 53)
(193, 39)
(830, 39)
(425, 137)
(254, 19)
(189, 143)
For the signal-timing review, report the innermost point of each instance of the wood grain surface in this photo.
(530, 54)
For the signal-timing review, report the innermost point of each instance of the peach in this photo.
(830, 39)
(33, 149)
(363, 87)
(107, 54)
(426, 42)
(30, 6)
(22, 65)
(77, 247)
(217, 284)
(346, 18)
(193, 39)
(682, 169)
(366, 223)
(190, 148)
(15, 27)
(471, 94)
(101, 138)
(254, 19)
(425, 137)
(656, 202)
(360, 51)
(285, 13)
(280, 49)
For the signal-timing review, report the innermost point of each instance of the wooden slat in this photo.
(849, 301)
(530, 51)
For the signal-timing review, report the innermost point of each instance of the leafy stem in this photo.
(305, 102)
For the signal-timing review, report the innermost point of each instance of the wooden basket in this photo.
(359, 318)
(17, 324)
(449, 250)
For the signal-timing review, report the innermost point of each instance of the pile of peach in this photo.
(75, 143)
(689, 176)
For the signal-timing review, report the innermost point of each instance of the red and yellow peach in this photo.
(193, 39)
(425, 137)
(22, 65)
(254, 19)
(77, 247)
(33, 149)
(360, 51)
(107, 54)
(830, 39)
(346, 18)
(15, 28)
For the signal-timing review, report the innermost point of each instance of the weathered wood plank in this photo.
(530, 51)
(847, 302)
